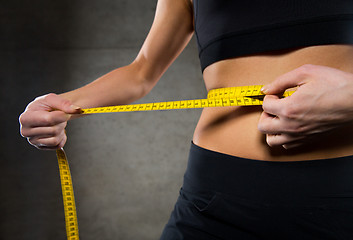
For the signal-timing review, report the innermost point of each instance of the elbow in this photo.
(146, 77)
(145, 84)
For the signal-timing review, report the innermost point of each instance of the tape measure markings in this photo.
(68, 196)
(221, 97)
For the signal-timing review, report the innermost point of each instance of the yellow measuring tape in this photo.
(68, 196)
(221, 97)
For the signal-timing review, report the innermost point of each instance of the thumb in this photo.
(282, 83)
(52, 102)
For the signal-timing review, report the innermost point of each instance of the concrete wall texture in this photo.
(127, 168)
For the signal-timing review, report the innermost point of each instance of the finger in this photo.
(273, 104)
(49, 147)
(43, 119)
(290, 79)
(44, 132)
(273, 124)
(53, 101)
(48, 143)
(61, 145)
(282, 139)
(269, 124)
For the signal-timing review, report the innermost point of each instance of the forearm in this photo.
(170, 33)
(120, 86)
(44, 120)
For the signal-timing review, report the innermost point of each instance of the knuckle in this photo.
(52, 131)
(62, 143)
(52, 97)
(48, 120)
(293, 120)
(23, 119)
(63, 126)
(34, 103)
(55, 141)
(286, 113)
(24, 132)
(58, 130)
(306, 70)
(261, 127)
(289, 111)
(265, 123)
(265, 103)
(267, 106)
(48, 97)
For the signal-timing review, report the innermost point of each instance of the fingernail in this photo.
(73, 107)
(263, 89)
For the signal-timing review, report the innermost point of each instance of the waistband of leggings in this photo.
(249, 178)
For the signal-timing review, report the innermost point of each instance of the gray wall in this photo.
(127, 168)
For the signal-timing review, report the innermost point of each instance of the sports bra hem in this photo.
(335, 29)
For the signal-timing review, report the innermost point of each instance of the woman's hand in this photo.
(323, 101)
(44, 120)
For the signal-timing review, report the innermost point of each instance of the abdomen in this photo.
(233, 130)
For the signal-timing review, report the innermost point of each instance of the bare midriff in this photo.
(233, 130)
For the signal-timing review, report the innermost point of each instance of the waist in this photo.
(233, 130)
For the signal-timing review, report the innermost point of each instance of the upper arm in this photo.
(171, 30)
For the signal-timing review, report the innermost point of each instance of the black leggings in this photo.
(230, 198)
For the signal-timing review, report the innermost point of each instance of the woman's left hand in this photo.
(323, 101)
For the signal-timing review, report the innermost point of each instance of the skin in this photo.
(314, 123)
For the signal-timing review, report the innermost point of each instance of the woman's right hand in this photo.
(44, 120)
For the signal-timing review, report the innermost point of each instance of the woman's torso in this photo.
(233, 130)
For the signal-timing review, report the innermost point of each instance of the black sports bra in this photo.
(229, 28)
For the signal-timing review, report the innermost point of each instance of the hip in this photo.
(227, 197)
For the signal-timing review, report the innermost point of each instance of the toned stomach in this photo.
(233, 130)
